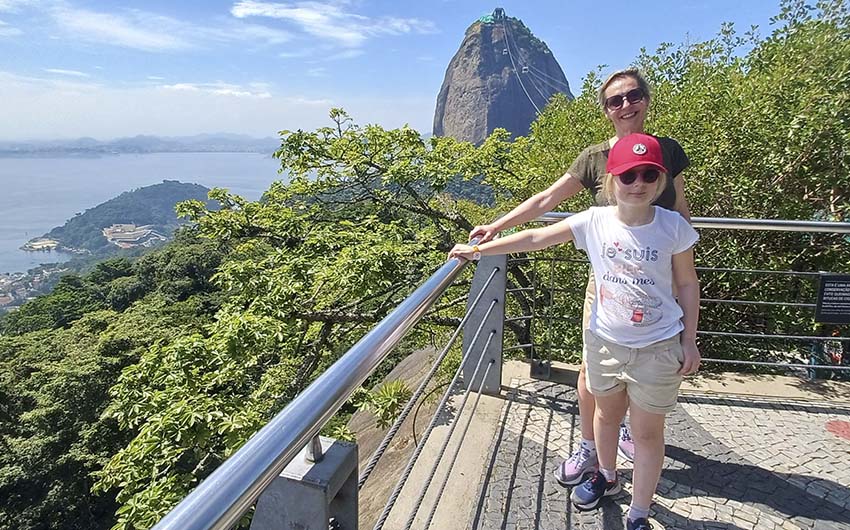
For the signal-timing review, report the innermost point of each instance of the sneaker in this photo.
(573, 469)
(592, 490)
(625, 445)
(638, 524)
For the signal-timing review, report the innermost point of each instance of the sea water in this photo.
(38, 194)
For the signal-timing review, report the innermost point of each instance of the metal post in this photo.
(313, 495)
(495, 322)
(313, 451)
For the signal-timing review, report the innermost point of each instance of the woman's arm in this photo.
(681, 205)
(687, 287)
(532, 208)
(525, 241)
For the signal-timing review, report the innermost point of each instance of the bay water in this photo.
(38, 194)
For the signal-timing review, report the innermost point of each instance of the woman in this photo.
(641, 339)
(624, 98)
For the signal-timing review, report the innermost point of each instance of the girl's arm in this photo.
(525, 241)
(687, 287)
(532, 208)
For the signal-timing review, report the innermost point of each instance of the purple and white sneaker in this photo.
(573, 470)
(625, 444)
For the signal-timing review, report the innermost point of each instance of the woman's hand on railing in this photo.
(483, 232)
(692, 357)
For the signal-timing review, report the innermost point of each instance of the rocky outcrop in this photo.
(501, 76)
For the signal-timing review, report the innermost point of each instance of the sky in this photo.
(107, 69)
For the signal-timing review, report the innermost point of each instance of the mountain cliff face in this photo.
(501, 75)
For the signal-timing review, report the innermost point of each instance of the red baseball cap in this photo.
(635, 150)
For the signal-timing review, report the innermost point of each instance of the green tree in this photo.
(54, 388)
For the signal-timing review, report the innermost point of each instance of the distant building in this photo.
(130, 235)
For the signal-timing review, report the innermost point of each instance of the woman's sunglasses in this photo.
(648, 175)
(633, 96)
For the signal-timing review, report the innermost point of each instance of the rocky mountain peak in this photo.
(501, 76)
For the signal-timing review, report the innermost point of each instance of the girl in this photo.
(624, 99)
(640, 340)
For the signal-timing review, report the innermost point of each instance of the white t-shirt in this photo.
(633, 269)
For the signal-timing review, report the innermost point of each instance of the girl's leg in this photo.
(648, 435)
(610, 410)
(583, 461)
(586, 401)
(606, 425)
(586, 405)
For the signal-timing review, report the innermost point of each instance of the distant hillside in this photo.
(201, 143)
(151, 206)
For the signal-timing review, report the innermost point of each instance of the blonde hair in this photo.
(608, 187)
(619, 74)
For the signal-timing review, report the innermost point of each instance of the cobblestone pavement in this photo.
(731, 464)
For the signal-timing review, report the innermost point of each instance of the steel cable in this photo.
(406, 473)
(379, 452)
(462, 438)
(513, 64)
(442, 450)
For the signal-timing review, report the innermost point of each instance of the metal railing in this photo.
(222, 498)
(774, 225)
(802, 227)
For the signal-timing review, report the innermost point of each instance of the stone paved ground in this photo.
(731, 464)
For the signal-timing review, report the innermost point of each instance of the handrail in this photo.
(220, 500)
(779, 225)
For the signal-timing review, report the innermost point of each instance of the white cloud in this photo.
(345, 54)
(330, 23)
(183, 87)
(325, 103)
(297, 54)
(254, 90)
(62, 71)
(8, 31)
(156, 78)
(151, 32)
(13, 5)
(251, 32)
(317, 72)
(141, 31)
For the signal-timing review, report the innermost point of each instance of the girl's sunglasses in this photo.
(632, 96)
(648, 175)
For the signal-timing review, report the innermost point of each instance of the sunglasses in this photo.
(632, 96)
(647, 175)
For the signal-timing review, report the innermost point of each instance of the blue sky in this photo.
(71, 68)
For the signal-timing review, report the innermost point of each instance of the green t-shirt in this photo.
(589, 168)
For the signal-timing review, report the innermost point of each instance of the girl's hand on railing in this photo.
(462, 251)
(692, 357)
(484, 232)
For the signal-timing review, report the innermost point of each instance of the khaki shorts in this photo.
(647, 374)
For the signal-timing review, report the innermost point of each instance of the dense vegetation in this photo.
(59, 356)
(151, 205)
(126, 386)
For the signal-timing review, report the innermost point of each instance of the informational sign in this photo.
(833, 305)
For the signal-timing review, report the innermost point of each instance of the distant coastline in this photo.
(46, 244)
(102, 154)
(141, 144)
(42, 192)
